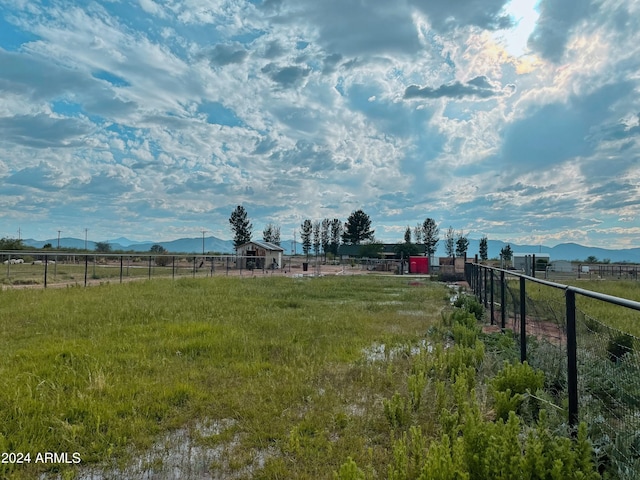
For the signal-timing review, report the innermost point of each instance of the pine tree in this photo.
(241, 226)
(449, 244)
(271, 234)
(316, 238)
(325, 236)
(357, 228)
(306, 230)
(484, 249)
(462, 245)
(430, 232)
(336, 234)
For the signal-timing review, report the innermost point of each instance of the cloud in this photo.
(558, 132)
(226, 54)
(306, 109)
(44, 131)
(289, 76)
(557, 22)
(447, 16)
(480, 87)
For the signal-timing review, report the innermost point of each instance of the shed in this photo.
(523, 261)
(418, 265)
(259, 254)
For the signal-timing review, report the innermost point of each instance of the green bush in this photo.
(619, 346)
(511, 384)
(471, 305)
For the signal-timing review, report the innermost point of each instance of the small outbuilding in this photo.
(524, 261)
(419, 265)
(259, 254)
(562, 266)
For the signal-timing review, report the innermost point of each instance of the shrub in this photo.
(510, 386)
(163, 260)
(619, 346)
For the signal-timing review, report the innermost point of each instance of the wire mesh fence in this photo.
(591, 360)
(60, 268)
(45, 269)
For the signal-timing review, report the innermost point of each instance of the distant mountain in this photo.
(563, 251)
(125, 242)
(65, 242)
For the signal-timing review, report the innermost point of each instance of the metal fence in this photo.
(37, 268)
(591, 364)
(22, 268)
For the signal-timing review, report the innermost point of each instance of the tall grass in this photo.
(106, 371)
(620, 318)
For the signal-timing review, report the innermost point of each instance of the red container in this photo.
(418, 265)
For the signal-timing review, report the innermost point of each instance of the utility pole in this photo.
(59, 239)
(85, 238)
(19, 238)
(203, 232)
(294, 241)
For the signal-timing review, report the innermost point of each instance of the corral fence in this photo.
(591, 363)
(63, 268)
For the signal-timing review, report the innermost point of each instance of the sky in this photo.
(153, 120)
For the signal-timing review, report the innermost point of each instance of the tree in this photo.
(241, 226)
(406, 250)
(407, 235)
(592, 259)
(11, 243)
(161, 259)
(267, 233)
(462, 245)
(449, 242)
(484, 249)
(325, 236)
(430, 232)
(271, 234)
(418, 234)
(316, 238)
(336, 234)
(357, 228)
(103, 247)
(159, 249)
(306, 230)
(506, 253)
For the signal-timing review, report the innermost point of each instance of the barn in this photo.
(259, 254)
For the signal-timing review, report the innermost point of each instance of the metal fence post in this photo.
(173, 267)
(492, 300)
(86, 268)
(121, 266)
(484, 284)
(503, 303)
(149, 268)
(46, 263)
(523, 321)
(572, 362)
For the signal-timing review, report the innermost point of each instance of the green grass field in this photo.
(620, 318)
(264, 377)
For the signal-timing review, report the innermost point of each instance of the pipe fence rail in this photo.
(591, 363)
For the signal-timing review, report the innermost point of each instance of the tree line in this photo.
(326, 235)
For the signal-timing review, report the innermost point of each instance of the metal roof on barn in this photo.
(265, 245)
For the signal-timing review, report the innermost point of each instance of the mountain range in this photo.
(563, 251)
